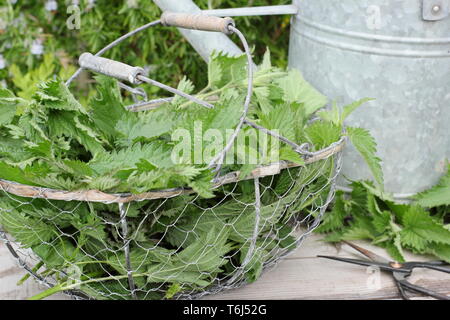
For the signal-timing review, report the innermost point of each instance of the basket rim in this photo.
(34, 192)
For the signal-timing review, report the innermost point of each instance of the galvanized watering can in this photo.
(397, 52)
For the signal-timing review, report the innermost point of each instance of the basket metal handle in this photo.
(197, 22)
(134, 75)
(111, 68)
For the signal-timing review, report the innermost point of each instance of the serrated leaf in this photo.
(413, 240)
(334, 219)
(232, 69)
(53, 94)
(395, 249)
(107, 106)
(157, 153)
(57, 253)
(442, 251)
(349, 109)
(367, 147)
(133, 129)
(8, 105)
(417, 220)
(296, 89)
(77, 167)
(103, 183)
(438, 195)
(55, 181)
(280, 119)
(382, 221)
(356, 233)
(11, 173)
(185, 86)
(214, 70)
(322, 134)
(331, 115)
(266, 64)
(173, 290)
(203, 185)
(207, 253)
(288, 154)
(140, 258)
(27, 231)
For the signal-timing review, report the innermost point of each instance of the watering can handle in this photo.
(197, 22)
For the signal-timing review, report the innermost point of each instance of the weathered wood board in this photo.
(300, 276)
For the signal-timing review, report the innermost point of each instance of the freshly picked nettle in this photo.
(53, 141)
(144, 204)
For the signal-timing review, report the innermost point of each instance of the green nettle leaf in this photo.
(442, 251)
(203, 185)
(334, 220)
(27, 231)
(282, 118)
(157, 153)
(417, 220)
(8, 105)
(368, 213)
(357, 232)
(322, 134)
(140, 259)
(104, 183)
(289, 154)
(266, 65)
(214, 70)
(185, 86)
(395, 249)
(254, 267)
(437, 196)
(54, 94)
(57, 182)
(382, 221)
(173, 290)
(367, 147)
(57, 253)
(349, 109)
(107, 107)
(231, 70)
(77, 167)
(133, 129)
(338, 117)
(207, 253)
(296, 89)
(11, 173)
(332, 115)
(411, 239)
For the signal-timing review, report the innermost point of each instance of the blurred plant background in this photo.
(36, 43)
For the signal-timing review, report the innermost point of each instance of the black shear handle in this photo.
(405, 284)
(433, 266)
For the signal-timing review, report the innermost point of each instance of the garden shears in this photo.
(400, 271)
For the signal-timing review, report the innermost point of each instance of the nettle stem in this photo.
(70, 285)
(202, 95)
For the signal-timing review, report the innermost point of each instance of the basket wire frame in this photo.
(278, 202)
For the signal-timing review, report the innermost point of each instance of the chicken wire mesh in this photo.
(169, 243)
(190, 248)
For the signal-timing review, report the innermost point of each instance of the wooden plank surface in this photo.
(300, 276)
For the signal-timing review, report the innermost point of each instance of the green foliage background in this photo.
(168, 55)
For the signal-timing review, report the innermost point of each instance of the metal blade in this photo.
(383, 266)
(369, 254)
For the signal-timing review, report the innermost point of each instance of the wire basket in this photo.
(172, 243)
